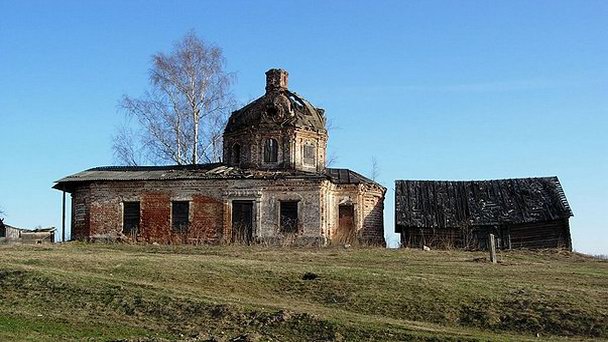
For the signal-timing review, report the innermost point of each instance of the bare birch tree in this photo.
(180, 119)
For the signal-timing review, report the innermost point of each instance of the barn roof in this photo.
(201, 171)
(443, 204)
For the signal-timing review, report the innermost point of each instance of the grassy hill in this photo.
(116, 292)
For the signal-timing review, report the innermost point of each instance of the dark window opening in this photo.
(271, 151)
(180, 215)
(346, 232)
(242, 222)
(289, 216)
(272, 112)
(309, 154)
(236, 154)
(130, 219)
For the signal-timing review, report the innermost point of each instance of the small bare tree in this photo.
(375, 170)
(331, 159)
(181, 117)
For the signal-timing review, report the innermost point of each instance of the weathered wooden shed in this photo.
(521, 213)
(10, 234)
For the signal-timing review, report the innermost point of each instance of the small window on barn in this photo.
(130, 218)
(309, 154)
(271, 150)
(289, 216)
(236, 154)
(180, 215)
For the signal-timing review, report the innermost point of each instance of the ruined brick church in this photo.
(272, 186)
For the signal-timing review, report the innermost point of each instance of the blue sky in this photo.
(450, 90)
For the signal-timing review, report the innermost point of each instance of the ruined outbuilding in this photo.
(273, 186)
(10, 234)
(521, 213)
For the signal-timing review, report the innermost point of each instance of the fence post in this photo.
(492, 249)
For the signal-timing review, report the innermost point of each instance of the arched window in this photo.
(236, 154)
(271, 150)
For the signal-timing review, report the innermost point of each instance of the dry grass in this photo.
(104, 292)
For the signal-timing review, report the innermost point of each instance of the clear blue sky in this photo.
(451, 90)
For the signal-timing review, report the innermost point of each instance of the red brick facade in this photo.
(98, 208)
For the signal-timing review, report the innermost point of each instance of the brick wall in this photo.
(156, 217)
(372, 231)
(291, 144)
(207, 220)
(368, 203)
(98, 209)
(80, 213)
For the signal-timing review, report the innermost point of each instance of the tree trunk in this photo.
(195, 138)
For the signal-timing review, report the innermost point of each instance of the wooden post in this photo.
(63, 219)
(492, 249)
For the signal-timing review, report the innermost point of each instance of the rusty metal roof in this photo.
(199, 172)
(118, 173)
(441, 204)
(346, 176)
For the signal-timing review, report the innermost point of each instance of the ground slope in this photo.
(106, 292)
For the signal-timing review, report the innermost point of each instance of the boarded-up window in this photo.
(180, 215)
(289, 216)
(271, 150)
(309, 154)
(130, 219)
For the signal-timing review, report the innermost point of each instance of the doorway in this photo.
(346, 233)
(242, 222)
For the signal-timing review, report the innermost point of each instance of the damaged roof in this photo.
(201, 171)
(26, 230)
(280, 107)
(443, 204)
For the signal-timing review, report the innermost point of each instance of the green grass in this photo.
(119, 292)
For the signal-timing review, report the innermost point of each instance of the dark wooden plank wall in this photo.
(549, 234)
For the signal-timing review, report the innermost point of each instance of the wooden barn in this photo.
(521, 213)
